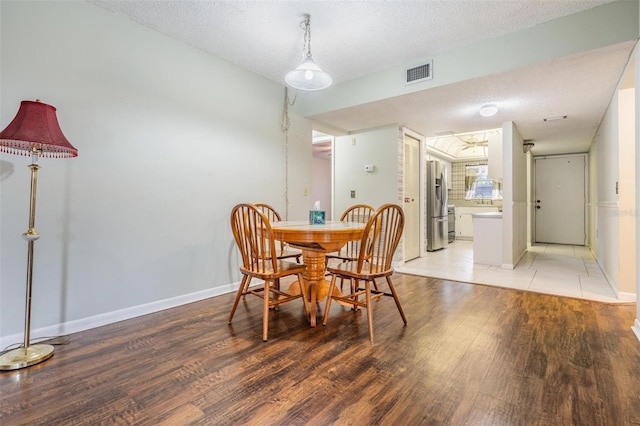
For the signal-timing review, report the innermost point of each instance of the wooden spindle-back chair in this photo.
(254, 238)
(283, 250)
(357, 213)
(377, 248)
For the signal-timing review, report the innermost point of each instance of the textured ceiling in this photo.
(350, 39)
(579, 86)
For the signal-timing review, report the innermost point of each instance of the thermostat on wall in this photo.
(369, 168)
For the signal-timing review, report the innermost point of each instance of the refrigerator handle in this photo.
(445, 191)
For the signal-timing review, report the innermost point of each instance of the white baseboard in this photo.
(636, 328)
(115, 316)
(612, 284)
(628, 297)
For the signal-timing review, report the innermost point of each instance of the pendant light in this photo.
(308, 76)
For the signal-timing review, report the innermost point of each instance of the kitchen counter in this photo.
(464, 219)
(487, 215)
(487, 238)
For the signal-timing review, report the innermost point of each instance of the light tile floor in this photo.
(561, 270)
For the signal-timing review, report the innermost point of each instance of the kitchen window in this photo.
(478, 186)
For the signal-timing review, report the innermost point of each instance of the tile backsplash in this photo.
(456, 190)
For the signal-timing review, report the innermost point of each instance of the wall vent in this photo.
(419, 73)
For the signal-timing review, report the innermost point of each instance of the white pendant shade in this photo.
(308, 76)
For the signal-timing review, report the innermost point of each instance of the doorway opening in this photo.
(322, 171)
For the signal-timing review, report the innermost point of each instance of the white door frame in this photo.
(421, 199)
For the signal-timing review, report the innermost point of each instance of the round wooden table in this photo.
(315, 241)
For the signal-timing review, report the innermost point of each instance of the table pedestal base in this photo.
(314, 279)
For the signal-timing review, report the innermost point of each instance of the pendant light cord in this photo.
(284, 126)
(306, 26)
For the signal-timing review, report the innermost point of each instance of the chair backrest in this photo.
(357, 213)
(380, 239)
(273, 216)
(269, 211)
(254, 237)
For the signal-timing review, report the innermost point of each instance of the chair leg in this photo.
(327, 305)
(276, 285)
(342, 281)
(303, 291)
(244, 291)
(375, 285)
(244, 284)
(367, 286)
(354, 283)
(265, 312)
(395, 297)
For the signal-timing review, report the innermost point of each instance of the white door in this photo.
(411, 205)
(560, 199)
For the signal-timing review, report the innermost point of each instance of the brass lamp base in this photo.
(24, 357)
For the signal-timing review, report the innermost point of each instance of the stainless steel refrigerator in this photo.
(437, 199)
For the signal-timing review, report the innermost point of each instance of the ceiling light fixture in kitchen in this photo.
(488, 110)
(308, 76)
(558, 117)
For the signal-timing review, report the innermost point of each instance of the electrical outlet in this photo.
(353, 193)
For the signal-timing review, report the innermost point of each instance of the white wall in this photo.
(351, 153)
(604, 205)
(636, 60)
(614, 221)
(169, 139)
(514, 196)
(530, 202)
(626, 191)
(592, 191)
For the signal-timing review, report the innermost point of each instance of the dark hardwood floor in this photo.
(470, 355)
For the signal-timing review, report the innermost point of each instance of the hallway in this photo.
(561, 270)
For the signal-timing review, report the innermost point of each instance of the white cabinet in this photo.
(464, 220)
(464, 226)
(487, 240)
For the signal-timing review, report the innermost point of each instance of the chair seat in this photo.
(265, 270)
(343, 258)
(350, 270)
(289, 254)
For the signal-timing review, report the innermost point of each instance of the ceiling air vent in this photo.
(419, 73)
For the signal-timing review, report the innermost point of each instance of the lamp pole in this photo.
(28, 355)
(35, 131)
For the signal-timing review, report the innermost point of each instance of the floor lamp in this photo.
(34, 131)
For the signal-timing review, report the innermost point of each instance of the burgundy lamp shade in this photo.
(35, 126)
